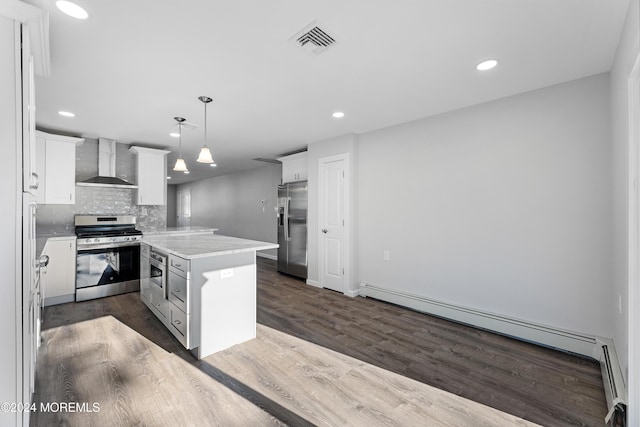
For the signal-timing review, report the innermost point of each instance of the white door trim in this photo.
(348, 235)
(633, 320)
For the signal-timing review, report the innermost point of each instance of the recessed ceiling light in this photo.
(168, 177)
(486, 65)
(66, 114)
(174, 134)
(72, 9)
(186, 172)
(338, 114)
(213, 165)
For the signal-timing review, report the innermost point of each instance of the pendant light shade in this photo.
(180, 165)
(205, 153)
(205, 156)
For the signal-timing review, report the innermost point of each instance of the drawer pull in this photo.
(177, 291)
(177, 265)
(177, 322)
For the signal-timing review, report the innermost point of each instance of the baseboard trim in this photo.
(62, 299)
(582, 344)
(353, 293)
(313, 283)
(268, 256)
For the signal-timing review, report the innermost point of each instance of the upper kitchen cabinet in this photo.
(56, 168)
(152, 175)
(294, 167)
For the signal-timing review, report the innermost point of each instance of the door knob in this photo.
(325, 231)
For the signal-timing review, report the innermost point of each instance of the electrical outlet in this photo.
(386, 256)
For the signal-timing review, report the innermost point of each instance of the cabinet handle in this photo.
(177, 322)
(177, 291)
(70, 196)
(37, 184)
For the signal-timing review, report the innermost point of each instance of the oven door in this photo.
(158, 274)
(107, 265)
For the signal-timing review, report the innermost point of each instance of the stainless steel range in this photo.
(108, 260)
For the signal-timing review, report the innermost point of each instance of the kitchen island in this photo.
(202, 287)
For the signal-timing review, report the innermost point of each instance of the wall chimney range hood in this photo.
(106, 168)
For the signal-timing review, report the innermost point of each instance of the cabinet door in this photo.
(59, 277)
(294, 167)
(41, 154)
(151, 180)
(60, 171)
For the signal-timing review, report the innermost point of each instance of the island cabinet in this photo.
(56, 168)
(294, 167)
(210, 290)
(152, 175)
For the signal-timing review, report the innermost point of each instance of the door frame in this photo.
(347, 260)
(633, 320)
(180, 207)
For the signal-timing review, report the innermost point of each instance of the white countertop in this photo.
(204, 245)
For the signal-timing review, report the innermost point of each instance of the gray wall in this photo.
(171, 206)
(96, 200)
(626, 55)
(504, 207)
(233, 204)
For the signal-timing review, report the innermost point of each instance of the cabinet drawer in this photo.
(179, 265)
(159, 303)
(179, 325)
(179, 291)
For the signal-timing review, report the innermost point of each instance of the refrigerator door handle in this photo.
(287, 236)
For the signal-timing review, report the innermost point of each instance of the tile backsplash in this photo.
(98, 200)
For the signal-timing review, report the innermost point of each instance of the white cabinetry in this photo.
(294, 167)
(152, 175)
(179, 299)
(23, 33)
(58, 280)
(56, 168)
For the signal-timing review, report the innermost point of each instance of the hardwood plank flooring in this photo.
(330, 389)
(320, 359)
(539, 384)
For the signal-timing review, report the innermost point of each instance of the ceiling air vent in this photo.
(314, 38)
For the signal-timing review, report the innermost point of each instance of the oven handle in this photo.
(91, 247)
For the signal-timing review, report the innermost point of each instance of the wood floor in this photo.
(320, 359)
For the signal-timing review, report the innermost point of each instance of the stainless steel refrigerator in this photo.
(292, 228)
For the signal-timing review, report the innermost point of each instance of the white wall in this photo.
(232, 203)
(504, 207)
(626, 54)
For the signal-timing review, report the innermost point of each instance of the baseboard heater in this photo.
(614, 387)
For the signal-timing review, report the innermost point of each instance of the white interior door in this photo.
(332, 212)
(184, 208)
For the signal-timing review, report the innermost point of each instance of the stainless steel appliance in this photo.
(292, 228)
(158, 271)
(108, 259)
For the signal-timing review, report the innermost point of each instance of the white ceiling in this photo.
(134, 65)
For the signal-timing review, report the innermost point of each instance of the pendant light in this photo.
(205, 154)
(180, 165)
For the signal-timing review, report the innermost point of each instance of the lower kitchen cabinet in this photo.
(58, 279)
(210, 300)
